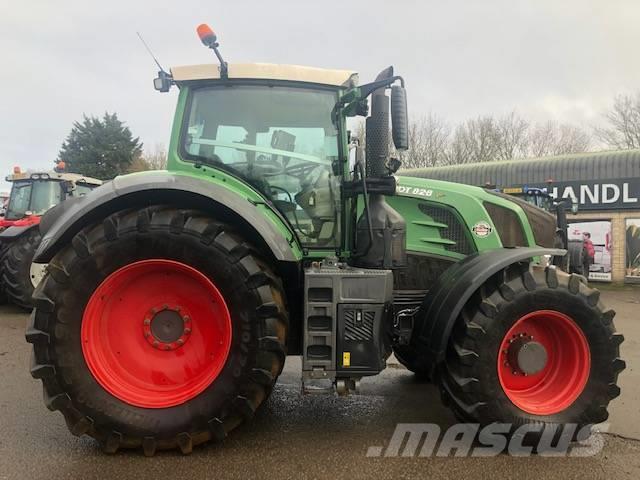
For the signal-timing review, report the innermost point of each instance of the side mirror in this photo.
(399, 117)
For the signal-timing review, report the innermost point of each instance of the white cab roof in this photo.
(268, 71)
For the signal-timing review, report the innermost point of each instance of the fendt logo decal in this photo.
(482, 229)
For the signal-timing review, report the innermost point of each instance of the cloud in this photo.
(460, 59)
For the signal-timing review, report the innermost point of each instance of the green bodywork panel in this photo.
(464, 201)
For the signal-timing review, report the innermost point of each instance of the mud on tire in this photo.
(469, 378)
(254, 298)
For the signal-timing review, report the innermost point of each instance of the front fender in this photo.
(444, 301)
(251, 213)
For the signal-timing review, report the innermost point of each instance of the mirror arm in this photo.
(368, 88)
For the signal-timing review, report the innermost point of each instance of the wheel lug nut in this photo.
(147, 321)
(156, 343)
(187, 331)
(186, 319)
(180, 341)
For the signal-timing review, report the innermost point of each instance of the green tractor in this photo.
(32, 194)
(173, 297)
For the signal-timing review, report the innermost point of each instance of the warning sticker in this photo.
(346, 359)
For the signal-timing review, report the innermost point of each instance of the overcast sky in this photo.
(548, 59)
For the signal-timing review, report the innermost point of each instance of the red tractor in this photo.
(32, 194)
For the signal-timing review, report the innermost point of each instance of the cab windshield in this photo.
(281, 140)
(35, 196)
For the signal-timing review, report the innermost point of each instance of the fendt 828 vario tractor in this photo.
(173, 297)
(32, 194)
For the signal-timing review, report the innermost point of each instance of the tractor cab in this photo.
(289, 148)
(33, 193)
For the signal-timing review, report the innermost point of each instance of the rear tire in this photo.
(473, 382)
(16, 269)
(258, 321)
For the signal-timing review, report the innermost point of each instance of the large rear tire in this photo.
(158, 328)
(545, 310)
(19, 274)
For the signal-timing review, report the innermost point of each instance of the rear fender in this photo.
(444, 301)
(253, 216)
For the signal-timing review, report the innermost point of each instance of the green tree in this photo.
(100, 148)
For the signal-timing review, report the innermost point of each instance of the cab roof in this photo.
(51, 175)
(268, 71)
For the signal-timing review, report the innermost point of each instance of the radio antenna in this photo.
(150, 52)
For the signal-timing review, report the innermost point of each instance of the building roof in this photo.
(268, 71)
(564, 168)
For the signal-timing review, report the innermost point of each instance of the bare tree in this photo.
(512, 137)
(623, 130)
(475, 140)
(155, 160)
(428, 140)
(551, 138)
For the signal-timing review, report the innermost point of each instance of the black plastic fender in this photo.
(444, 301)
(62, 222)
(13, 232)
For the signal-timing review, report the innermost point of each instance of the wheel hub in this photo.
(166, 328)
(526, 356)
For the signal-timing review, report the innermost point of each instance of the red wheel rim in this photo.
(156, 333)
(566, 371)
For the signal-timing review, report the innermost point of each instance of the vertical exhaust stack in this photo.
(377, 136)
(381, 231)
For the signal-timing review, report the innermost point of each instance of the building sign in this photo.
(632, 257)
(598, 194)
(598, 232)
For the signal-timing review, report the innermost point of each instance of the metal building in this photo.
(606, 185)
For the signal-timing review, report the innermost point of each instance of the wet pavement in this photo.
(296, 436)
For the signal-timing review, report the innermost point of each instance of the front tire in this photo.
(110, 339)
(549, 311)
